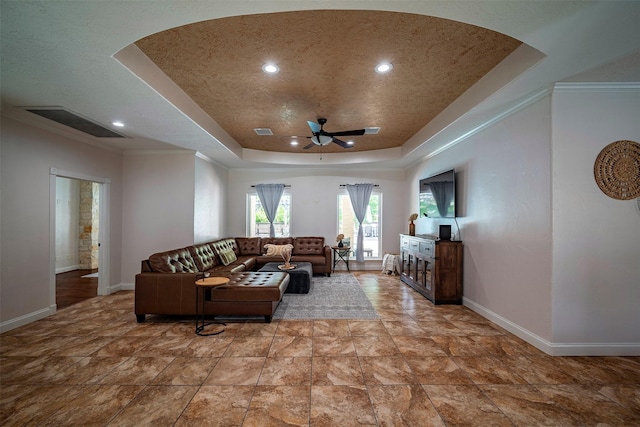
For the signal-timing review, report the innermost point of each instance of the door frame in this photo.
(103, 232)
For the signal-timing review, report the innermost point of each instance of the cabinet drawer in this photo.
(427, 248)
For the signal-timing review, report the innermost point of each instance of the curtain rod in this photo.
(285, 186)
(344, 185)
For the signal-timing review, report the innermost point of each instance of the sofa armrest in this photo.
(327, 253)
(165, 293)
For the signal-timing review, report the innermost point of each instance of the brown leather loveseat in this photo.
(166, 284)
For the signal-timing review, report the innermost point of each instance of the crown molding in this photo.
(210, 160)
(514, 108)
(597, 87)
(158, 152)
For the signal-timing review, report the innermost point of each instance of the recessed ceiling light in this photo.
(383, 67)
(294, 142)
(350, 142)
(117, 123)
(270, 68)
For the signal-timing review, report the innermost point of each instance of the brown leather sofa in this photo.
(166, 284)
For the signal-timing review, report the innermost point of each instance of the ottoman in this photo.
(248, 294)
(300, 277)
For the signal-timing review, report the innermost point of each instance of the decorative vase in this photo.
(412, 229)
(340, 244)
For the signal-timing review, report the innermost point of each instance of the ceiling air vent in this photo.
(72, 120)
(263, 131)
(371, 130)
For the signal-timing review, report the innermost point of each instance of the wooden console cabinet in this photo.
(432, 267)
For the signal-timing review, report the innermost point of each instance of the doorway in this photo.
(77, 240)
(79, 244)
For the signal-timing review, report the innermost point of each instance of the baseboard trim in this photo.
(599, 349)
(127, 287)
(119, 287)
(555, 349)
(27, 318)
(67, 269)
(533, 339)
(46, 312)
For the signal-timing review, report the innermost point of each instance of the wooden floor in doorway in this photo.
(72, 288)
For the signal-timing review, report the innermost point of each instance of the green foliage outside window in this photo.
(261, 215)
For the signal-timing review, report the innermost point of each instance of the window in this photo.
(348, 224)
(257, 222)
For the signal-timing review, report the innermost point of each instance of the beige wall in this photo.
(596, 239)
(28, 154)
(547, 255)
(158, 206)
(210, 200)
(171, 199)
(504, 204)
(314, 199)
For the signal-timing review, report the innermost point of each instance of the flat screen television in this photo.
(438, 195)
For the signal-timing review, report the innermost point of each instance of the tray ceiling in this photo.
(326, 60)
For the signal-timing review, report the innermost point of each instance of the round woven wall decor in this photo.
(617, 170)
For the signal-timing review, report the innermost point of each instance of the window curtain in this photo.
(359, 195)
(269, 195)
(442, 194)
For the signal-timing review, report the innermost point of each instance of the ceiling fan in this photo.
(321, 137)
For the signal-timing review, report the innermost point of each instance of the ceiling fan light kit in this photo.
(321, 137)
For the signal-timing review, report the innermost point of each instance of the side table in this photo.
(201, 286)
(341, 253)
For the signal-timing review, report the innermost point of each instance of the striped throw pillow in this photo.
(277, 250)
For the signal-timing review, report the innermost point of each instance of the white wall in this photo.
(504, 204)
(564, 279)
(210, 201)
(158, 206)
(27, 156)
(547, 255)
(67, 220)
(315, 202)
(596, 242)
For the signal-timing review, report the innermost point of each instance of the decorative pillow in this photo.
(227, 256)
(276, 250)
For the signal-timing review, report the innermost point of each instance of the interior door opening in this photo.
(77, 240)
(79, 266)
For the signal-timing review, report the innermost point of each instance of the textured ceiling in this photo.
(326, 60)
(80, 55)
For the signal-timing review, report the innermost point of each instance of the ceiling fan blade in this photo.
(315, 128)
(309, 146)
(342, 143)
(347, 132)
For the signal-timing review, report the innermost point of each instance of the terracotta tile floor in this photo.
(419, 365)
